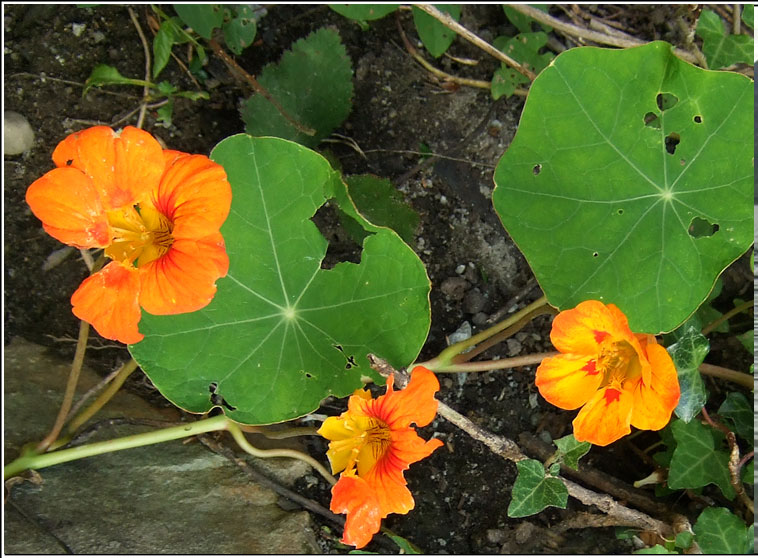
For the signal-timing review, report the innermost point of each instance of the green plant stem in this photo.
(747, 305)
(239, 437)
(147, 85)
(68, 396)
(447, 355)
(39, 461)
(745, 380)
(486, 365)
(280, 434)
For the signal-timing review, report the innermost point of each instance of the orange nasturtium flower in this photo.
(619, 378)
(157, 214)
(372, 443)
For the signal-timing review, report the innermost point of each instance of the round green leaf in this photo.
(282, 333)
(436, 36)
(364, 12)
(600, 206)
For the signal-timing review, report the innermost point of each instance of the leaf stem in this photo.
(747, 305)
(486, 365)
(745, 380)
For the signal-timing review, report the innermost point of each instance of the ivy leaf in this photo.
(617, 153)
(696, 462)
(203, 18)
(524, 48)
(683, 540)
(436, 37)
(523, 22)
(718, 531)
(688, 354)
(382, 204)
(748, 476)
(572, 450)
(657, 549)
(720, 48)
(505, 80)
(312, 82)
(533, 491)
(364, 12)
(282, 333)
(738, 412)
(747, 15)
(240, 31)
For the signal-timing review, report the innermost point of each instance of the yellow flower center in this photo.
(618, 362)
(141, 235)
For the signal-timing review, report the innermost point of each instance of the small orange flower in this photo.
(372, 443)
(157, 214)
(619, 378)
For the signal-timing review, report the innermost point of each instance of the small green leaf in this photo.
(533, 491)
(436, 37)
(696, 462)
(383, 205)
(364, 12)
(738, 412)
(162, 44)
(524, 48)
(748, 340)
(663, 458)
(718, 531)
(166, 113)
(600, 202)
(281, 333)
(572, 450)
(192, 95)
(505, 80)
(683, 540)
(688, 354)
(657, 549)
(747, 15)
(523, 22)
(203, 18)
(748, 476)
(103, 74)
(722, 49)
(312, 82)
(406, 546)
(240, 31)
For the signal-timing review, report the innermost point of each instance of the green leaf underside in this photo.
(596, 203)
(312, 82)
(436, 37)
(203, 18)
(696, 462)
(572, 450)
(364, 12)
(718, 531)
(282, 333)
(720, 48)
(533, 491)
(688, 354)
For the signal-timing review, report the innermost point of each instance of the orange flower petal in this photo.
(567, 381)
(605, 418)
(414, 404)
(353, 495)
(654, 402)
(109, 300)
(184, 279)
(125, 168)
(194, 195)
(581, 329)
(69, 206)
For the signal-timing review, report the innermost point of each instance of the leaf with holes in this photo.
(282, 333)
(718, 531)
(436, 36)
(688, 354)
(533, 491)
(203, 18)
(720, 48)
(619, 153)
(312, 82)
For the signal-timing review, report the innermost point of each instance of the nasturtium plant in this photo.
(534, 490)
(617, 153)
(282, 333)
(312, 82)
(436, 37)
(721, 48)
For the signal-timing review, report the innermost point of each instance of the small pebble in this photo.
(461, 334)
(18, 135)
(78, 28)
(460, 269)
(454, 288)
(514, 347)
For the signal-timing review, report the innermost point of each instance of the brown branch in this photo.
(258, 88)
(747, 305)
(146, 48)
(745, 380)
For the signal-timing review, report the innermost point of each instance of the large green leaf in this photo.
(600, 206)
(688, 354)
(533, 490)
(718, 531)
(312, 82)
(282, 333)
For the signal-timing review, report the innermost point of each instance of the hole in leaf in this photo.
(651, 120)
(308, 375)
(698, 119)
(700, 228)
(666, 100)
(682, 162)
(536, 169)
(217, 399)
(672, 140)
(349, 358)
(342, 245)
(595, 254)
(619, 211)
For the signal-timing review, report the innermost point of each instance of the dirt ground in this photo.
(462, 491)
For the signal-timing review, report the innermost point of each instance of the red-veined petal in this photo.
(69, 206)
(413, 404)
(567, 381)
(354, 497)
(109, 300)
(654, 402)
(605, 418)
(580, 330)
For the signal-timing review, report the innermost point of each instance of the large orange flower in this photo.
(372, 443)
(619, 378)
(157, 214)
